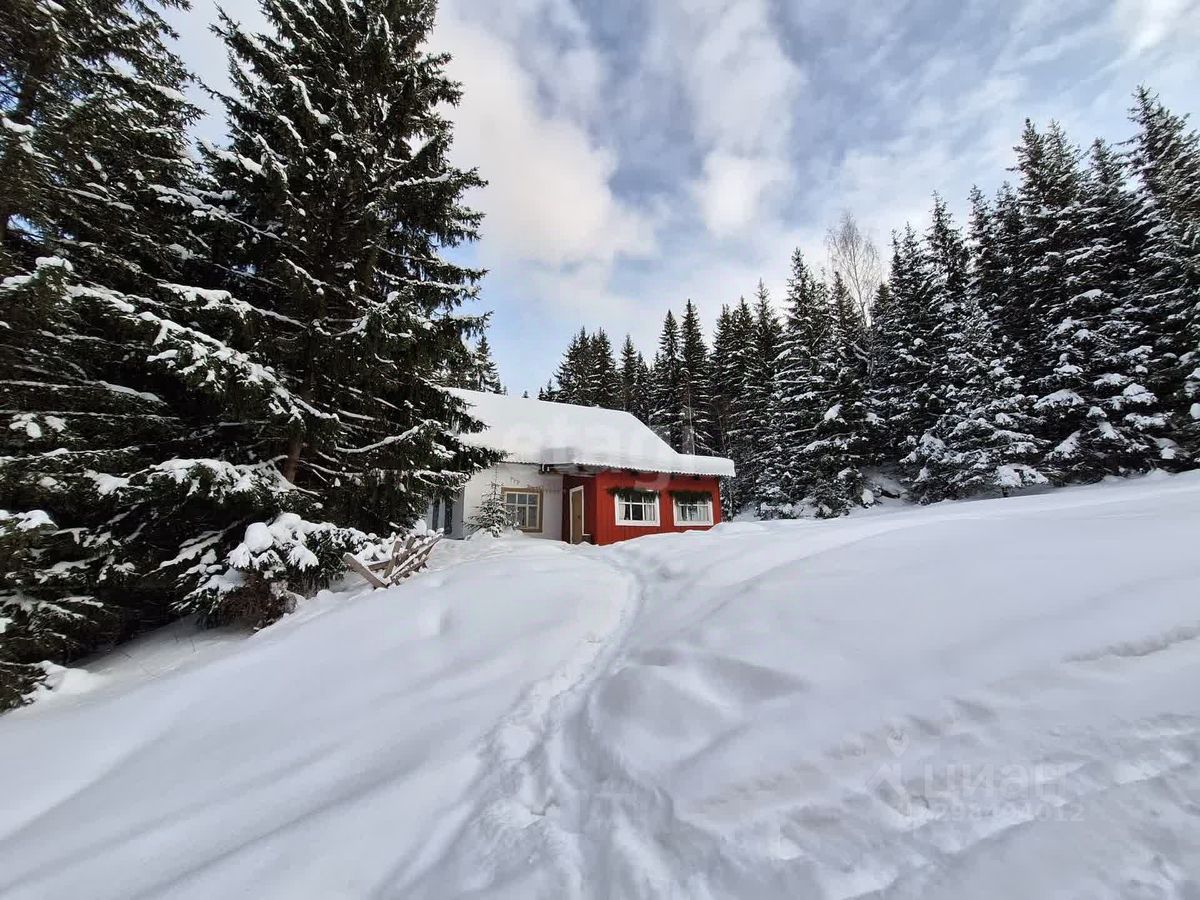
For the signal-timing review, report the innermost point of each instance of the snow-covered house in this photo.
(581, 474)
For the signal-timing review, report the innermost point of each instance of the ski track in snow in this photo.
(526, 780)
(991, 699)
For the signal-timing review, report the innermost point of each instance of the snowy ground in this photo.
(990, 699)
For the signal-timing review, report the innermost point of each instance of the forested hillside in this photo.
(1053, 337)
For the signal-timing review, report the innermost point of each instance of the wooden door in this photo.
(577, 515)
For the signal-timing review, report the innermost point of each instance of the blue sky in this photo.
(643, 152)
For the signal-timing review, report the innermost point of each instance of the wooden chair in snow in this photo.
(408, 557)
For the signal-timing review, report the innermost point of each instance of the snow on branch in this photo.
(206, 363)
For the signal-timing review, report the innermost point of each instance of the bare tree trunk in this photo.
(291, 465)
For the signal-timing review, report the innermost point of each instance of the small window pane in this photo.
(693, 512)
(637, 510)
(524, 507)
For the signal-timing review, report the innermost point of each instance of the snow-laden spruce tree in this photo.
(733, 349)
(1098, 414)
(903, 391)
(157, 423)
(883, 366)
(606, 392)
(1050, 195)
(628, 373)
(838, 446)
(720, 370)
(635, 381)
(800, 386)
(695, 385)
(492, 516)
(981, 438)
(487, 376)
(1079, 350)
(993, 235)
(1003, 297)
(987, 267)
(883, 312)
(334, 200)
(574, 380)
(947, 267)
(666, 417)
(1164, 157)
(759, 413)
(588, 374)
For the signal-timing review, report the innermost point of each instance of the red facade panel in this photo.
(588, 483)
(600, 506)
(607, 531)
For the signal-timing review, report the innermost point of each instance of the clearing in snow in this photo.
(988, 699)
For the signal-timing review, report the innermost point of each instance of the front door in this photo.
(577, 515)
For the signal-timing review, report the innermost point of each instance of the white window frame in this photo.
(695, 523)
(505, 492)
(652, 503)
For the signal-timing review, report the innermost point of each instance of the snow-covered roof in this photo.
(560, 434)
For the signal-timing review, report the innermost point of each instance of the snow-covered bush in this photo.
(275, 565)
(834, 496)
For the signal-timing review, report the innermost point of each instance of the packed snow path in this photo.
(988, 699)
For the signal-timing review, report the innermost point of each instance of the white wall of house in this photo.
(515, 475)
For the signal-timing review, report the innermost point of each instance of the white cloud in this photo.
(741, 82)
(742, 90)
(549, 198)
(1151, 23)
(550, 42)
(581, 295)
(734, 190)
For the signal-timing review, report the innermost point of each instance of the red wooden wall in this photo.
(600, 509)
(589, 504)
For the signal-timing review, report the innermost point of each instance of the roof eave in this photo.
(603, 466)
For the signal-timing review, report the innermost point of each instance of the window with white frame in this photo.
(637, 508)
(693, 510)
(524, 507)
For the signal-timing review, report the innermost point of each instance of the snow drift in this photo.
(986, 699)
